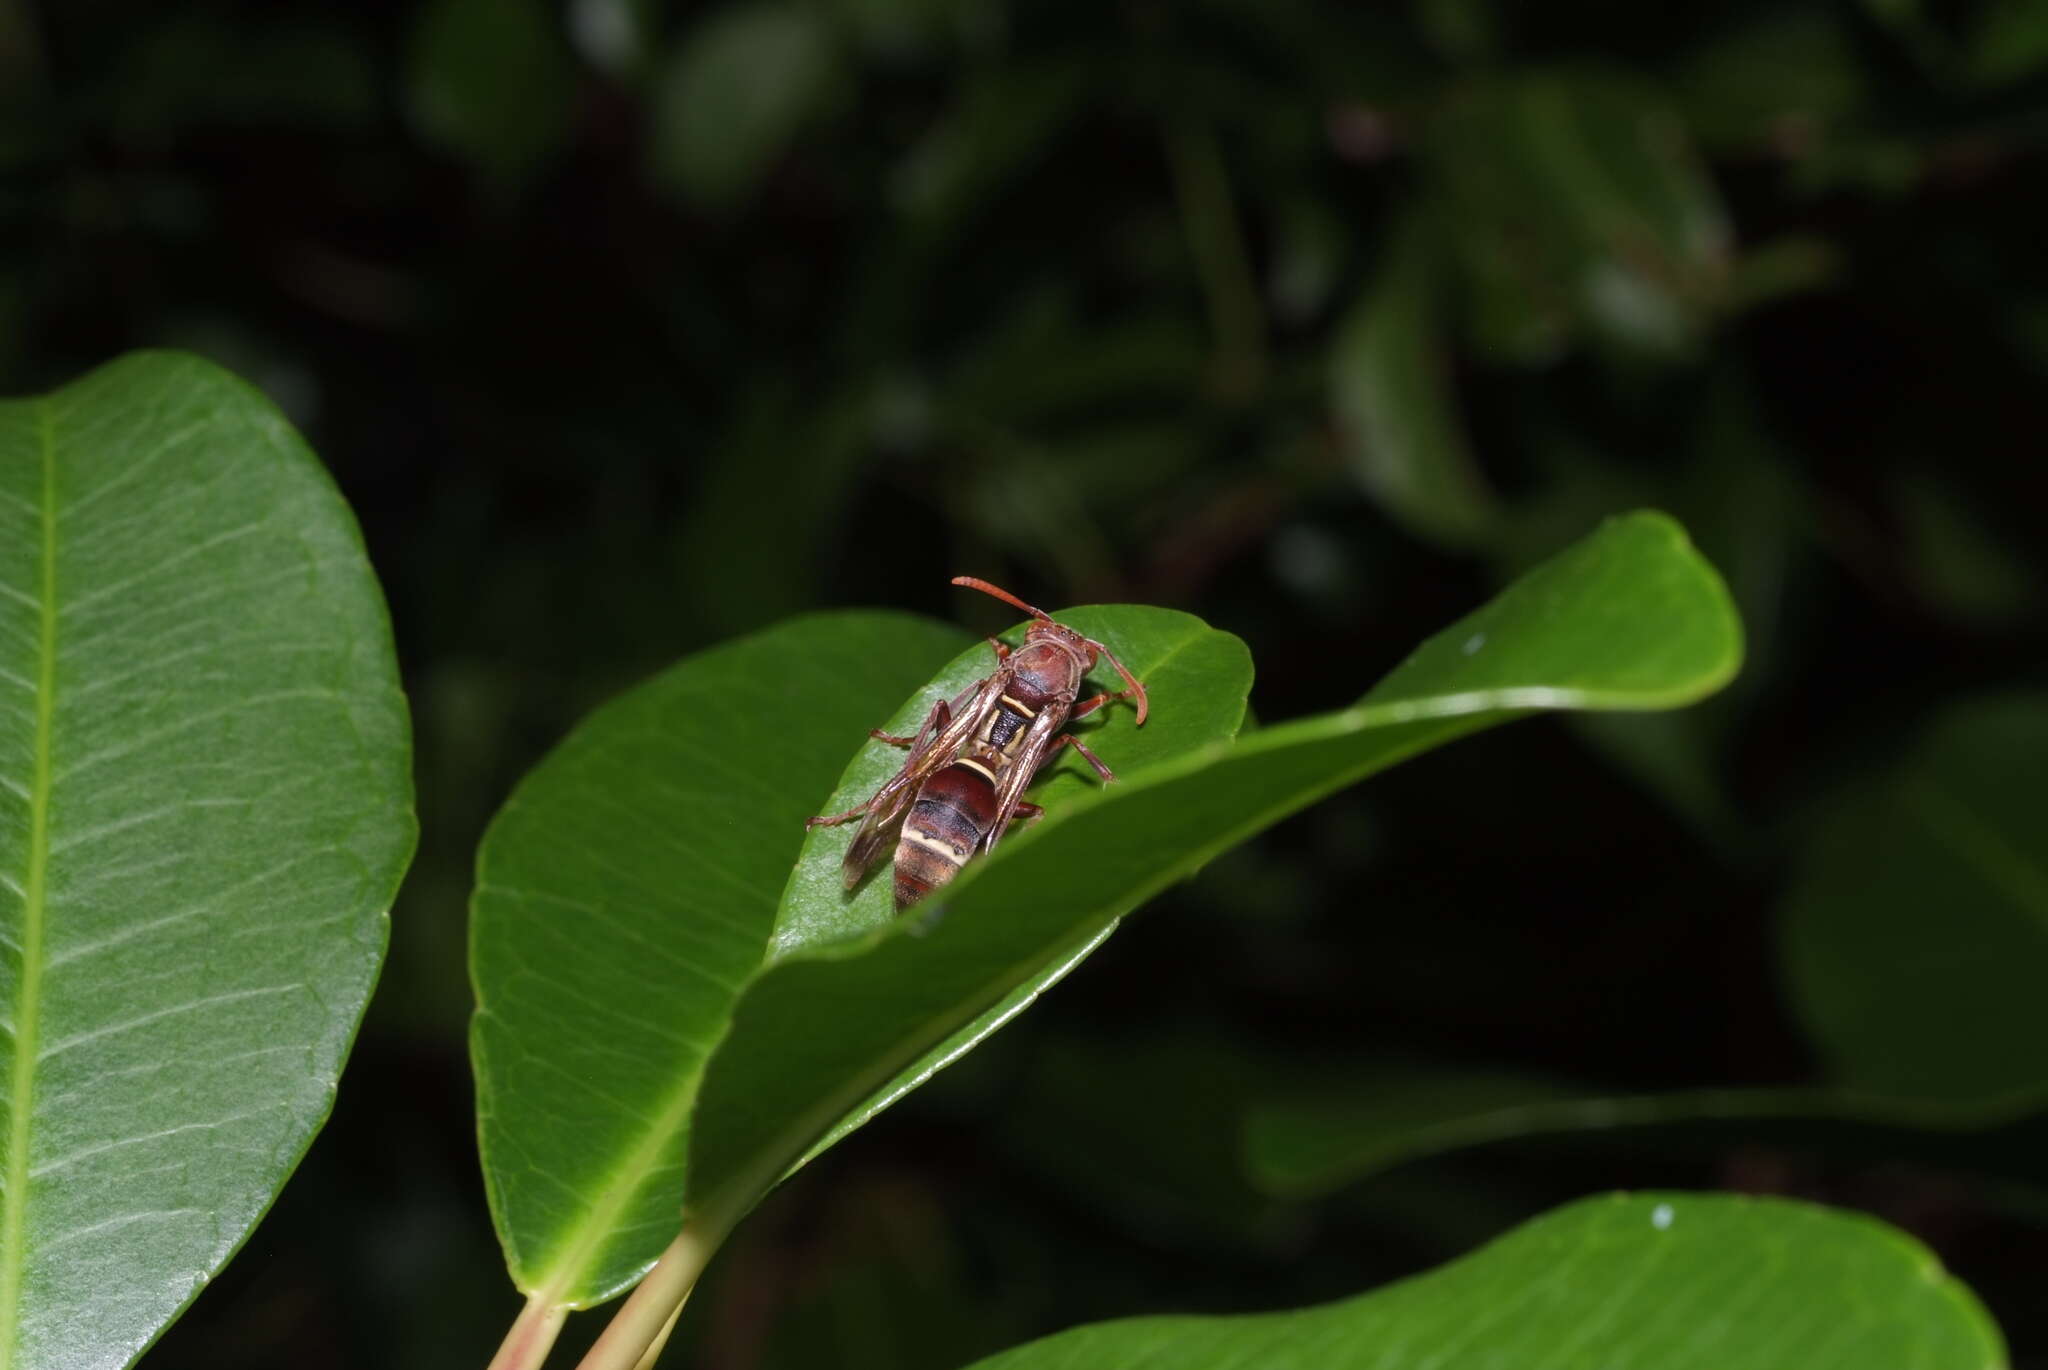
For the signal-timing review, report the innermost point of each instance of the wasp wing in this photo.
(886, 810)
(1031, 753)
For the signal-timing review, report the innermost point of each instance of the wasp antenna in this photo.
(976, 583)
(1137, 686)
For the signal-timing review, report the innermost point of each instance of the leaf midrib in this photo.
(21, 1090)
(735, 1192)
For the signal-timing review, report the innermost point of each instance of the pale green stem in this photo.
(643, 1322)
(654, 1352)
(532, 1336)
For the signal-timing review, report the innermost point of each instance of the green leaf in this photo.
(1136, 1130)
(1578, 204)
(1309, 1137)
(1390, 389)
(735, 97)
(490, 80)
(2010, 42)
(1916, 937)
(1196, 679)
(201, 69)
(205, 808)
(1958, 563)
(670, 824)
(624, 895)
(1628, 619)
(1626, 1282)
(1781, 75)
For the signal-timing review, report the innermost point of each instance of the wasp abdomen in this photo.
(944, 828)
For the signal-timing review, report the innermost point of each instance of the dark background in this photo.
(628, 327)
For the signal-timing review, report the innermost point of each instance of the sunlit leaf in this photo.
(205, 808)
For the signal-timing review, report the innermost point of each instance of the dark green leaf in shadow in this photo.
(1778, 80)
(1465, 31)
(490, 81)
(1307, 1135)
(1626, 1282)
(735, 96)
(1734, 493)
(205, 808)
(1143, 1132)
(1629, 618)
(1390, 388)
(202, 70)
(1916, 937)
(1960, 565)
(1004, 121)
(625, 894)
(752, 560)
(1578, 203)
(2010, 42)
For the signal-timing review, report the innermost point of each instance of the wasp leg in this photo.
(1094, 702)
(831, 820)
(1023, 812)
(1001, 650)
(1069, 740)
(935, 721)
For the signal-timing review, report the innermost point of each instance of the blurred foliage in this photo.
(626, 327)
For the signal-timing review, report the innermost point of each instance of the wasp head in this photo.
(1045, 628)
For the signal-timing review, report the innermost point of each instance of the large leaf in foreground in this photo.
(1197, 679)
(205, 808)
(1628, 618)
(1628, 1282)
(624, 895)
(643, 873)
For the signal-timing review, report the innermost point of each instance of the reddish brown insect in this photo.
(964, 782)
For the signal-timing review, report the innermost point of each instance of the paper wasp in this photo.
(963, 783)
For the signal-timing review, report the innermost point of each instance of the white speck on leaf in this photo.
(1474, 643)
(1660, 1217)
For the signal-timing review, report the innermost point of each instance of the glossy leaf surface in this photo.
(643, 873)
(1196, 679)
(1628, 618)
(625, 894)
(205, 808)
(1627, 1282)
